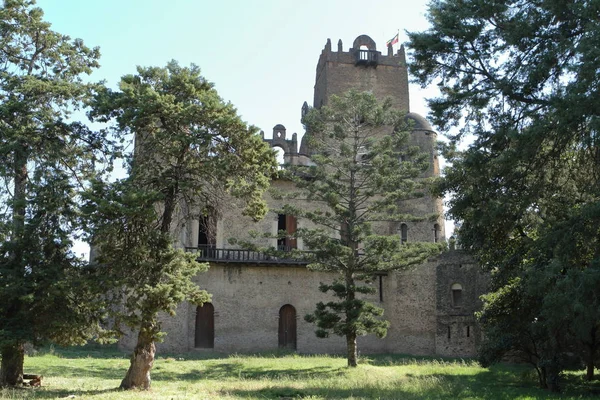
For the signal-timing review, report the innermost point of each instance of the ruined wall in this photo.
(457, 333)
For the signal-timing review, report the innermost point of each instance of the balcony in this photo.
(366, 57)
(208, 253)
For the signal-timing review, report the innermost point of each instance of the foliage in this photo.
(521, 77)
(45, 161)
(362, 170)
(192, 150)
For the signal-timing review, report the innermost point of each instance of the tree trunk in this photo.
(142, 359)
(589, 376)
(592, 349)
(352, 350)
(11, 368)
(543, 379)
(553, 378)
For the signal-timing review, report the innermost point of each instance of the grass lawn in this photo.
(90, 373)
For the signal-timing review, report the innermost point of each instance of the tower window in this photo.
(403, 233)
(457, 295)
(436, 233)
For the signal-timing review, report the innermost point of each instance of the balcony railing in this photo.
(210, 253)
(366, 57)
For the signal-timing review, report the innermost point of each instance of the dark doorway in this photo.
(288, 224)
(205, 327)
(207, 231)
(287, 327)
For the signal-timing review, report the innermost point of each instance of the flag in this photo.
(393, 40)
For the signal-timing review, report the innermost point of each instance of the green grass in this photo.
(93, 373)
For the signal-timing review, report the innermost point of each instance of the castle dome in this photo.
(417, 122)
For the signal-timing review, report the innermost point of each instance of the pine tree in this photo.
(521, 77)
(362, 171)
(191, 149)
(45, 161)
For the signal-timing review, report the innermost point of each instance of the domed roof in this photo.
(417, 122)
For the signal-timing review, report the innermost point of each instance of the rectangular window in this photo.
(457, 297)
(287, 224)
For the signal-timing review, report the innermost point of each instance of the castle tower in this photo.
(362, 68)
(386, 76)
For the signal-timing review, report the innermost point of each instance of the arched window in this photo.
(205, 327)
(287, 327)
(403, 233)
(279, 153)
(456, 295)
(436, 233)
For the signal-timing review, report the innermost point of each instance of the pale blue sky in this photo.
(261, 54)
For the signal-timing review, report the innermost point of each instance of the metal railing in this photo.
(213, 254)
(368, 57)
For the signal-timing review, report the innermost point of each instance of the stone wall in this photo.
(247, 300)
(457, 333)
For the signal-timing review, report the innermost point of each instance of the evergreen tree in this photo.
(521, 77)
(45, 161)
(191, 149)
(362, 172)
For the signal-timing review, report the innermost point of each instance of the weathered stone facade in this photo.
(254, 303)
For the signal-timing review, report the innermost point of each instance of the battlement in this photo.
(363, 52)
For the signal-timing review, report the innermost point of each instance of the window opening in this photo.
(448, 332)
(207, 237)
(287, 224)
(279, 154)
(436, 233)
(468, 331)
(457, 295)
(403, 233)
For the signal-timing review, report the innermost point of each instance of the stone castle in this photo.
(258, 303)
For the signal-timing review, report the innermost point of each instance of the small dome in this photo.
(417, 122)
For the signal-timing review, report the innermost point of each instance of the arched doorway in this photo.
(287, 327)
(205, 327)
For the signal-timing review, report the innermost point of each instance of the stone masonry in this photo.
(260, 305)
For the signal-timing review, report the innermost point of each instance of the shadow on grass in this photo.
(108, 372)
(237, 370)
(50, 393)
(484, 385)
